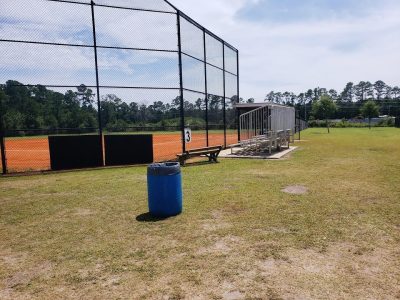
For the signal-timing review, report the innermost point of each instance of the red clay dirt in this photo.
(32, 154)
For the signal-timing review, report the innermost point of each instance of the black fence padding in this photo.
(75, 152)
(128, 149)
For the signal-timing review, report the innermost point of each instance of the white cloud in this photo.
(46, 21)
(298, 55)
(127, 28)
(281, 56)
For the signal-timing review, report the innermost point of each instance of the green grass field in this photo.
(78, 235)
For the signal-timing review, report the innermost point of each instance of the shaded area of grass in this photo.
(83, 233)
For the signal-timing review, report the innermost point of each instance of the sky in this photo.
(293, 45)
(285, 45)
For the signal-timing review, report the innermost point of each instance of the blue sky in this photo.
(285, 45)
(291, 11)
(298, 44)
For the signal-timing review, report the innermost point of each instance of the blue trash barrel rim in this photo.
(164, 169)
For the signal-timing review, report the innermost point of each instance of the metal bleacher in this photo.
(268, 128)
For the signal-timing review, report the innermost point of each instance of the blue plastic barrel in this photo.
(164, 184)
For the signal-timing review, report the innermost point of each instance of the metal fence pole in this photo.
(205, 83)
(181, 81)
(237, 86)
(224, 104)
(97, 82)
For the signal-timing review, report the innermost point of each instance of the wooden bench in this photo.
(210, 152)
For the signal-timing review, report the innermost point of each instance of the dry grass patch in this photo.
(340, 271)
(295, 190)
(76, 235)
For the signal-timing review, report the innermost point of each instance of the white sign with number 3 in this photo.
(188, 135)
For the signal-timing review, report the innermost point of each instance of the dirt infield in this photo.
(32, 154)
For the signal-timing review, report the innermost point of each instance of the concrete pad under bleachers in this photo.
(238, 152)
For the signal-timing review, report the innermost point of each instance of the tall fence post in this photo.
(205, 83)
(224, 85)
(181, 81)
(238, 96)
(97, 82)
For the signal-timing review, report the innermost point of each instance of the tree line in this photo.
(325, 108)
(349, 100)
(362, 91)
(38, 107)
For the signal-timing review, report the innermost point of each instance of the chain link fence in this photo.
(81, 67)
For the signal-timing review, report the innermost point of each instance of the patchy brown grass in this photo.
(75, 235)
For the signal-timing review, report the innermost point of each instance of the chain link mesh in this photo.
(216, 120)
(49, 65)
(48, 80)
(214, 51)
(46, 21)
(195, 118)
(129, 68)
(230, 85)
(193, 74)
(215, 81)
(135, 29)
(230, 60)
(192, 39)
